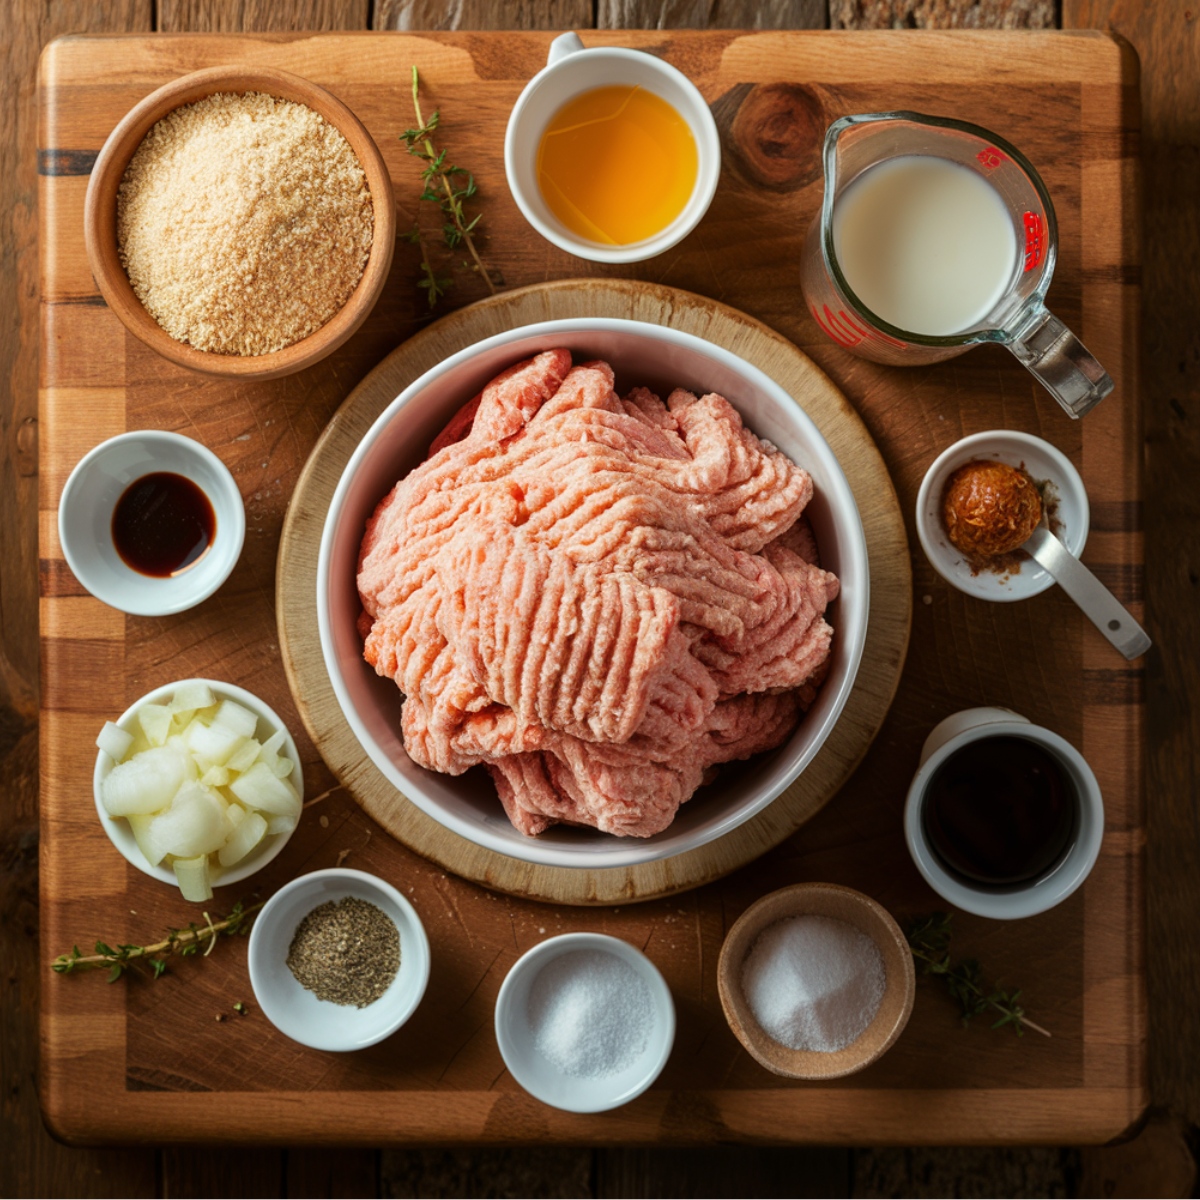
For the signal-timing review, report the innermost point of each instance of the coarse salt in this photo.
(590, 1014)
(813, 983)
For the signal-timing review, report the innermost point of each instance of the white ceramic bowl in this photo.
(542, 1078)
(292, 1008)
(117, 828)
(1021, 900)
(571, 70)
(660, 358)
(85, 521)
(1043, 462)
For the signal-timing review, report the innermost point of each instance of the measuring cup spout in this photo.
(1061, 363)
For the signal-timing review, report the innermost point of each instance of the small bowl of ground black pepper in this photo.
(338, 960)
(241, 222)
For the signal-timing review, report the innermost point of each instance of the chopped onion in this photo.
(278, 824)
(140, 823)
(259, 788)
(199, 789)
(233, 716)
(194, 824)
(243, 839)
(146, 782)
(193, 878)
(216, 776)
(155, 720)
(211, 744)
(191, 696)
(244, 756)
(115, 742)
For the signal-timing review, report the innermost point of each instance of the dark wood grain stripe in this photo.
(96, 301)
(1117, 516)
(1118, 686)
(1125, 580)
(57, 579)
(66, 162)
(138, 1079)
(85, 675)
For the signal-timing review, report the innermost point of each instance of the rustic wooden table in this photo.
(298, 1172)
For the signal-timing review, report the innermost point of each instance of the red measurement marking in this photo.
(866, 331)
(991, 158)
(846, 332)
(1035, 239)
(833, 328)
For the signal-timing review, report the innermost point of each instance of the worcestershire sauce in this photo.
(1000, 811)
(163, 524)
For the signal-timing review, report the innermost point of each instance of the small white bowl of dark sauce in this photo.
(1004, 819)
(151, 522)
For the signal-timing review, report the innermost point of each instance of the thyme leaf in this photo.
(929, 941)
(449, 187)
(183, 942)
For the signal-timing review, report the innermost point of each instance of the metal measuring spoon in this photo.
(1098, 604)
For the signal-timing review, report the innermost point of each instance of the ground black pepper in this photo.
(346, 951)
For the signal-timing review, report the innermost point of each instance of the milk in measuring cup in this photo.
(925, 243)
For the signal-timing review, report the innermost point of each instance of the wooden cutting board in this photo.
(148, 1062)
(883, 526)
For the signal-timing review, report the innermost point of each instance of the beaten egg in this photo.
(617, 164)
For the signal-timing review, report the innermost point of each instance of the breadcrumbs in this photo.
(244, 222)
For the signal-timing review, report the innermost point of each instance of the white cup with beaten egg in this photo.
(572, 70)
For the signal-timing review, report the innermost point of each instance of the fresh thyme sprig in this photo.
(448, 187)
(183, 942)
(929, 940)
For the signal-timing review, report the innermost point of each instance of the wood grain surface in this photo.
(1155, 1163)
(111, 1064)
(889, 620)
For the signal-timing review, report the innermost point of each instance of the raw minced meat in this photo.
(599, 599)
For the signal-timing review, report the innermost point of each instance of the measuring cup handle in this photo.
(1062, 363)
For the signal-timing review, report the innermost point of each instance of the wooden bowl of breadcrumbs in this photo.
(241, 222)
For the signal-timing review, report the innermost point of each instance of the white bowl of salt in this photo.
(585, 1022)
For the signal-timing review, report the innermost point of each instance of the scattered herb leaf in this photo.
(449, 187)
(183, 942)
(929, 940)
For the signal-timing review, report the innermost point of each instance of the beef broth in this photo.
(1001, 811)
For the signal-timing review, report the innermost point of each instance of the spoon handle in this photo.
(1099, 605)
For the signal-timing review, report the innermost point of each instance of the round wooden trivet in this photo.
(887, 635)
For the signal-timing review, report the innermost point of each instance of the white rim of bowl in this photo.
(190, 445)
(1048, 892)
(333, 874)
(841, 498)
(1071, 482)
(564, 943)
(708, 171)
(128, 846)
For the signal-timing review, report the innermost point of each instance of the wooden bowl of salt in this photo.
(816, 981)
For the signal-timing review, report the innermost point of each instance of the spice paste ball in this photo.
(990, 508)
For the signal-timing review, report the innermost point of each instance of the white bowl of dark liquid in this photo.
(1004, 819)
(151, 522)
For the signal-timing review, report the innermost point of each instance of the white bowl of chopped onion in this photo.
(198, 783)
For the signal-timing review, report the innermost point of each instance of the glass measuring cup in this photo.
(1018, 320)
